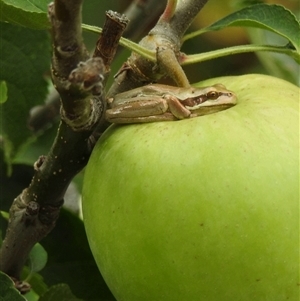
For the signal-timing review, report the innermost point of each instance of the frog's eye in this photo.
(212, 95)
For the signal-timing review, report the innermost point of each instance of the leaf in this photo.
(40, 146)
(36, 281)
(278, 65)
(3, 224)
(30, 14)
(32, 295)
(8, 291)
(274, 18)
(59, 292)
(77, 268)
(4, 214)
(37, 258)
(3, 92)
(25, 57)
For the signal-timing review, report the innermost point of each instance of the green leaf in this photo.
(31, 14)
(3, 92)
(40, 146)
(8, 291)
(4, 214)
(60, 292)
(77, 268)
(3, 224)
(24, 60)
(278, 65)
(36, 281)
(275, 18)
(37, 258)
(32, 295)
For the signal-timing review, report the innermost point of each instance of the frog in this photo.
(158, 102)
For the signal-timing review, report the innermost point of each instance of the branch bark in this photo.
(107, 43)
(79, 81)
(141, 15)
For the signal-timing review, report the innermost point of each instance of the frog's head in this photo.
(210, 100)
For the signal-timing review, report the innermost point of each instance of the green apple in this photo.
(204, 209)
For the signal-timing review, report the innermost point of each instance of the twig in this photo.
(107, 43)
(184, 15)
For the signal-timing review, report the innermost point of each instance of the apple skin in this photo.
(204, 209)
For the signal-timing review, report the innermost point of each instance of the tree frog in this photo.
(156, 102)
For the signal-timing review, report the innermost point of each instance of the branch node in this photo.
(85, 84)
(88, 76)
(68, 50)
(32, 209)
(22, 286)
(39, 162)
(49, 214)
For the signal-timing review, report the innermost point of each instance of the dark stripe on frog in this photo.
(191, 102)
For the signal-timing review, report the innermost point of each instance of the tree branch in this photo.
(34, 212)
(184, 15)
(163, 39)
(142, 13)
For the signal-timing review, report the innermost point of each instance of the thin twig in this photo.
(107, 43)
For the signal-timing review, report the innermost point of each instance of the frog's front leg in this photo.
(140, 110)
(176, 107)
